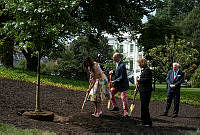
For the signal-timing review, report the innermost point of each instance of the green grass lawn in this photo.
(10, 130)
(29, 76)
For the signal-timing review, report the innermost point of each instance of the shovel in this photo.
(110, 77)
(134, 97)
(133, 104)
(86, 96)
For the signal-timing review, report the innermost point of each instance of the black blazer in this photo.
(145, 81)
(121, 80)
(177, 81)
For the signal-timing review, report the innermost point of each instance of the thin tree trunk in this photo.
(37, 105)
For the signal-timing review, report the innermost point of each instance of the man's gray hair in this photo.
(175, 63)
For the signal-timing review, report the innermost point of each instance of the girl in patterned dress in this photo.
(98, 88)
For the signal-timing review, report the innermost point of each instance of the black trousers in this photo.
(176, 95)
(145, 99)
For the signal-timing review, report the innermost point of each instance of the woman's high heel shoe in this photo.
(100, 112)
(96, 115)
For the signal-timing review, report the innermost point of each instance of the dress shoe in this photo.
(114, 109)
(125, 117)
(147, 125)
(164, 114)
(174, 116)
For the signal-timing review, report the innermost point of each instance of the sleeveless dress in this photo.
(100, 90)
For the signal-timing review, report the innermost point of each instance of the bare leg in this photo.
(95, 108)
(99, 108)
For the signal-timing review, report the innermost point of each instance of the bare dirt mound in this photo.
(19, 96)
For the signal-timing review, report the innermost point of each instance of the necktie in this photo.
(174, 75)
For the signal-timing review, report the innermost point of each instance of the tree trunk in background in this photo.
(32, 61)
(7, 53)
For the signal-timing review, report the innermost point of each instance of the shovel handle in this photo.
(110, 78)
(84, 101)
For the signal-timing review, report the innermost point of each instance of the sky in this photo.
(144, 19)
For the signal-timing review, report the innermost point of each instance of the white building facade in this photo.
(130, 51)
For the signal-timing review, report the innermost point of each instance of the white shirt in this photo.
(117, 63)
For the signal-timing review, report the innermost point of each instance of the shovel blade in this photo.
(108, 104)
(131, 109)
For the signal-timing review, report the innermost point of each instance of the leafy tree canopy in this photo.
(191, 27)
(195, 79)
(39, 24)
(176, 10)
(173, 51)
(6, 42)
(155, 31)
(70, 64)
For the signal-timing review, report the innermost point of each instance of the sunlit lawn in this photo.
(10, 130)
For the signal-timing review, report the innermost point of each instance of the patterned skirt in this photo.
(100, 91)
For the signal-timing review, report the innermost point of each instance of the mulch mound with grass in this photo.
(17, 97)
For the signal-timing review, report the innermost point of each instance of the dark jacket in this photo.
(121, 80)
(177, 81)
(145, 82)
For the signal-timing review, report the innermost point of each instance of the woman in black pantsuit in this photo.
(145, 89)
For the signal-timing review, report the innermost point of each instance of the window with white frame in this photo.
(121, 48)
(131, 48)
(131, 64)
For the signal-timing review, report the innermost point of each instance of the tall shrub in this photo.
(195, 79)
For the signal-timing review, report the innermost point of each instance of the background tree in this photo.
(166, 22)
(173, 51)
(195, 79)
(39, 24)
(176, 10)
(70, 64)
(170, 19)
(6, 52)
(154, 32)
(114, 16)
(191, 28)
(6, 41)
(185, 15)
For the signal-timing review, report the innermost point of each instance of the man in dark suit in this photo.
(121, 84)
(145, 89)
(174, 79)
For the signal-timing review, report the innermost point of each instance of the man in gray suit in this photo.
(174, 79)
(121, 84)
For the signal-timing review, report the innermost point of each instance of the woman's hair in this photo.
(88, 62)
(142, 62)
